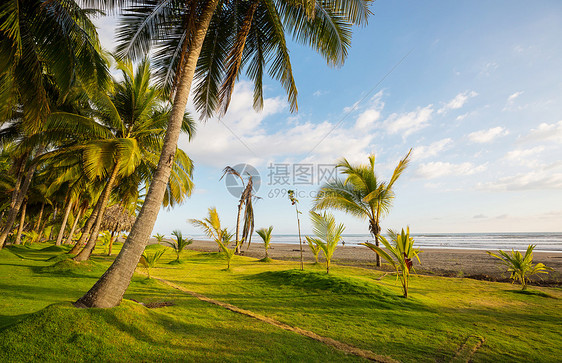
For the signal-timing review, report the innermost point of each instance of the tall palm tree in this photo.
(361, 194)
(212, 40)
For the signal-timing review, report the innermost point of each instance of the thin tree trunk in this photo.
(104, 198)
(300, 239)
(73, 229)
(86, 230)
(22, 221)
(238, 228)
(109, 289)
(17, 201)
(377, 243)
(42, 229)
(54, 217)
(38, 224)
(63, 223)
(111, 242)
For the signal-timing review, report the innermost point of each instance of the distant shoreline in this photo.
(437, 261)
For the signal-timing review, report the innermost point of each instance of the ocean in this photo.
(548, 242)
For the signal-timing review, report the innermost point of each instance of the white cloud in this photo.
(510, 102)
(485, 136)
(520, 154)
(408, 123)
(457, 102)
(488, 68)
(433, 149)
(439, 169)
(319, 93)
(546, 132)
(367, 118)
(533, 180)
(462, 117)
(241, 137)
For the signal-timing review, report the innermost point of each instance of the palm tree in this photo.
(521, 267)
(123, 141)
(159, 237)
(223, 244)
(295, 202)
(399, 254)
(361, 194)
(314, 247)
(212, 40)
(265, 234)
(328, 234)
(246, 198)
(149, 260)
(179, 244)
(211, 226)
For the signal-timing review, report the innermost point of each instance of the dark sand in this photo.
(445, 262)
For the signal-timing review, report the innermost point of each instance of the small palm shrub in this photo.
(521, 267)
(399, 254)
(179, 244)
(265, 234)
(313, 247)
(149, 260)
(328, 234)
(159, 237)
(223, 244)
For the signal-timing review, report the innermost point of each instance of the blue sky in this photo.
(474, 87)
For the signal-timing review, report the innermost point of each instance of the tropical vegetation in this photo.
(521, 266)
(265, 234)
(328, 234)
(179, 244)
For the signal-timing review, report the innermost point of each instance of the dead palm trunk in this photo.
(238, 228)
(104, 198)
(109, 289)
(63, 223)
(73, 228)
(17, 200)
(22, 221)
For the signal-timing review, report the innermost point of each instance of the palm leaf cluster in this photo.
(399, 254)
(521, 266)
(179, 244)
(328, 234)
(361, 194)
(265, 234)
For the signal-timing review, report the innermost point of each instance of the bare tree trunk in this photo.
(63, 223)
(111, 242)
(73, 229)
(238, 228)
(42, 229)
(53, 218)
(17, 200)
(109, 289)
(22, 221)
(38, 223)
(104, 198)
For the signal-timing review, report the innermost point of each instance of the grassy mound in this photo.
(61, 330)
(60, 257)
(310, 280)
(68, 267)
(55, 249)
(266, 260)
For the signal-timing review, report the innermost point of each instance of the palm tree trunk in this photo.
(300, 239)
(377, 243)
(111, 242)
(78, 216)
(22, 221)
(86, 230)
(109, 289)
(17, 201)
(63, 223)
(104, 199)
(53, 219)
(238, 228)
(38, 224)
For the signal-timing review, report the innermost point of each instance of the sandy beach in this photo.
(445, 262)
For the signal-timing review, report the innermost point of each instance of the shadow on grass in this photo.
(532, 293)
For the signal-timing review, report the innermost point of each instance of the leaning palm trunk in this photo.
(86, 230)
(104, 198)
(73, 228)
(109, 289)
(17, 201)
(63, 223)
(22, 221)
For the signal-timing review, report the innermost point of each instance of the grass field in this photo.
(444, 318)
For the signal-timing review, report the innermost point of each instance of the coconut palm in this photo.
(212, 41)
(211, 226)
(328, 234)
(361, 194)
(179, 244)
(149, 260)
(224, 243)
(399, 254)
(314, 247)
(265, 234)
(245, 202)
(521, 266)
(295, 202)
(159, 237)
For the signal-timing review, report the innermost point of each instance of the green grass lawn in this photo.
(353, 305)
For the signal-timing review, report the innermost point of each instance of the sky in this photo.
(473, 87)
